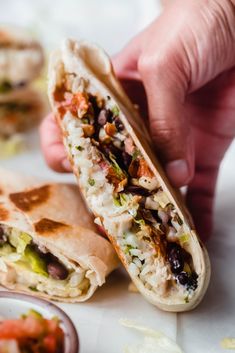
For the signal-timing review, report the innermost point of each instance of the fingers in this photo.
(125, 62)
(165, 75)
(52, 146)
(165, 83)
(201, 191)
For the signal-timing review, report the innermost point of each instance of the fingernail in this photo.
(178, 172)
(66, 165)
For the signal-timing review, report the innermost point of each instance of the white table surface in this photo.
(199, 331)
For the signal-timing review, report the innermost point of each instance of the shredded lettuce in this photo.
(184, 238)
(161, 198)
(119, 172)
(228, 343)
(115, 110)
(154, 341)
(5, 250)
(23, 241)
(37, 264)
(19, 240)
(141, 222)
(11, 146)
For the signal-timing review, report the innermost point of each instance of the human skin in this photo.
(184, 64)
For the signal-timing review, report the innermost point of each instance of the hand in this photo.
(185, 62)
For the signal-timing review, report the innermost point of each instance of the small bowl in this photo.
(13, 305)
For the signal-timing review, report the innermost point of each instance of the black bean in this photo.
(138, 190)
(192, 284)
(175, 258)
(57, 270)
(155, 215)
(189, 280)
(110, 148)
(119, 125)
(183, 278)
(103, 117)
(126, 159)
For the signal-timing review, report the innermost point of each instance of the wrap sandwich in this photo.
(21, 58)
(20, 110)
(121, 180)
(48, 242)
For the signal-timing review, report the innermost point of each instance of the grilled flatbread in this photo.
(49, 245)
(122, 181)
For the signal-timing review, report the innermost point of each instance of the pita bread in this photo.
(55, 218)
(171, 270)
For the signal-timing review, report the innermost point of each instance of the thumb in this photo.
(125, 62)
(166, 86)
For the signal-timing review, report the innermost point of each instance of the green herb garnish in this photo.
(141, 222)
(91, 182)
(135, 155)
(116, 201)
(34, 289)
(119, 172)
(85, 120)
(115, 110)
(79, 148)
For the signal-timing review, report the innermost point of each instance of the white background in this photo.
(111, 23)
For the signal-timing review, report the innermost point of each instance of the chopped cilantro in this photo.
(91, 182)
(79, 148)
(120, 174)
(85, 120)
(34, 289)
(135, 155)
(141, 222)
(128, 248)
(116, 201)
(115, 110)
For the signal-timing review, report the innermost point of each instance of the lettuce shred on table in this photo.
(154, 341)
(11, 146)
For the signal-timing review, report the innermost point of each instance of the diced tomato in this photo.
(88, 130)
(78, 101)
(117, 181)
(50, 343)
(17, 329)
(143, 169)
(133, 168)
(110, 129)
(47, 336)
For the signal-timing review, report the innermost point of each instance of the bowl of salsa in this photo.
(33, 325)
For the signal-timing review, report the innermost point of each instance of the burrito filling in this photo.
(6, 86)
(13, 116)
(123, 191)
(36, 267)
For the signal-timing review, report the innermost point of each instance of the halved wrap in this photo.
(122, 181)
(48, 242)
(21, 58)
(20, 110)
